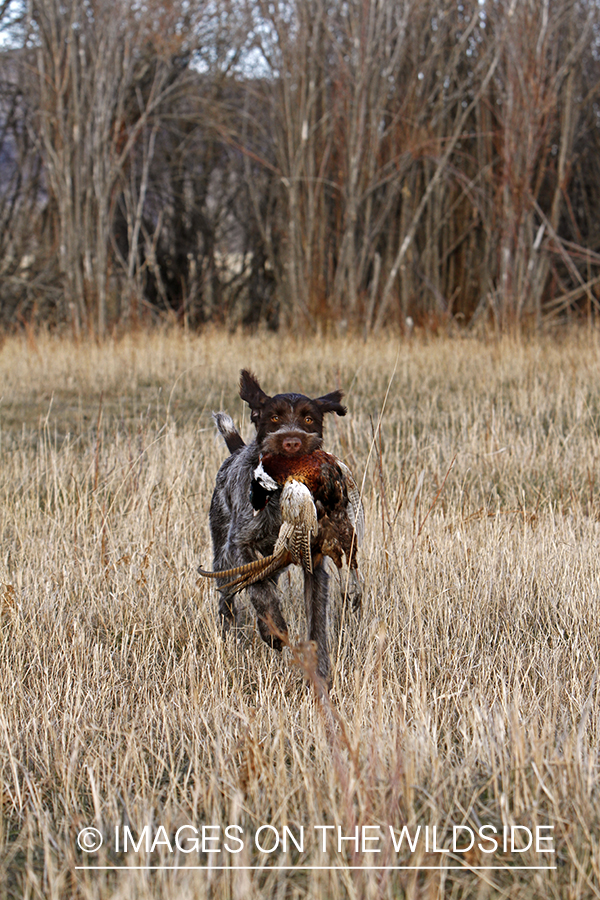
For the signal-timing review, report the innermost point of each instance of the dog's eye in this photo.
(309, 420)
(274, 418)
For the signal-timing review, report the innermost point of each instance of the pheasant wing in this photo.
(355, 509)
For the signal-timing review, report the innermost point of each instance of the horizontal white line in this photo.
(125, 867)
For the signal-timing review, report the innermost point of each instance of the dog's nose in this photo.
(291, 444)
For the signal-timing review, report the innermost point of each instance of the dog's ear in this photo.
(252, 393)
(331, 403)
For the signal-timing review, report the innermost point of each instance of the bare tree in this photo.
(303, 161)
(98, 87)
(107, 73)
(538, 114)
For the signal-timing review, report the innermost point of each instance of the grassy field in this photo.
(465, 695)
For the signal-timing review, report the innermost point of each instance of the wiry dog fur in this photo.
(289, 425)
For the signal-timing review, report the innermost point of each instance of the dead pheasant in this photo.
(321, 515)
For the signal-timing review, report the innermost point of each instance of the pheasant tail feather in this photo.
(250, 573)
(255, 565)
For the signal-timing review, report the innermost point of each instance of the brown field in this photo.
(466, 694)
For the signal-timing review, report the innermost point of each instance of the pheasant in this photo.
(321, 514)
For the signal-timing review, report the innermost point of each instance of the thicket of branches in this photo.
(297, 161)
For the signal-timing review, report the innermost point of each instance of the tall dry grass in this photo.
(466, 694)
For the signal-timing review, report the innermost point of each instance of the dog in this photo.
(287, 425)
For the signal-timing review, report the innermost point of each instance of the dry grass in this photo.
(466, 693)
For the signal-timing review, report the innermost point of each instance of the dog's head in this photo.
(287, 424)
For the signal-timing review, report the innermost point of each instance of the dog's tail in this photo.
(228, 431)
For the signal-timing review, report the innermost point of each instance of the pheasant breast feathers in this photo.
(329, 480)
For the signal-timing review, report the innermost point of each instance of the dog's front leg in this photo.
(227, 613)
(316, 590)
(271, 624)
